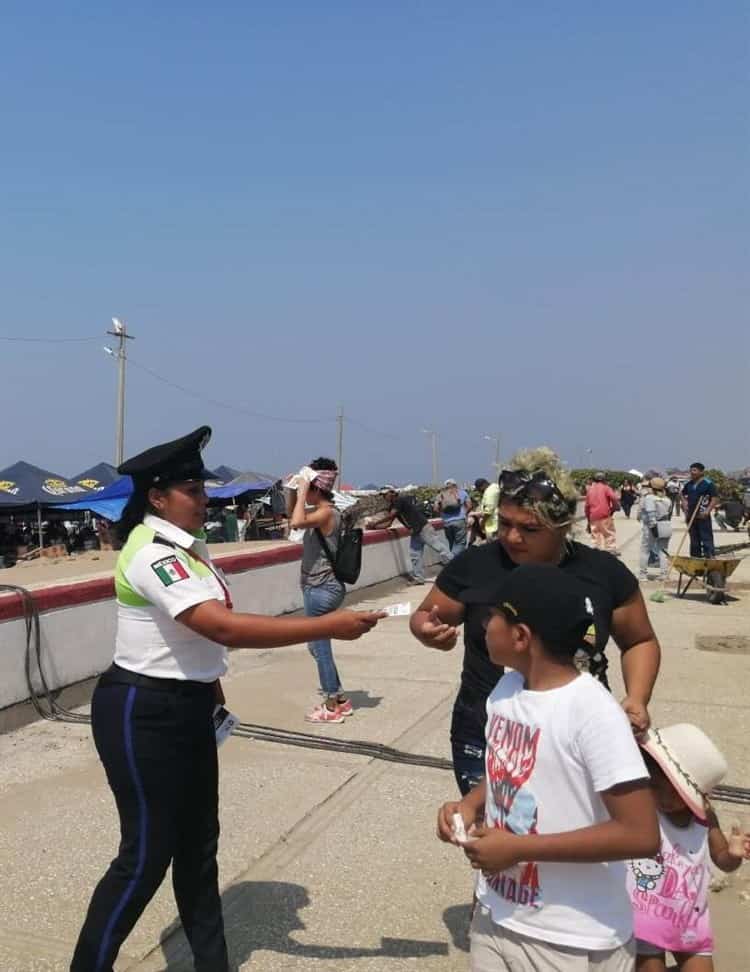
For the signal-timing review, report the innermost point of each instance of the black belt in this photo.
(123, 676)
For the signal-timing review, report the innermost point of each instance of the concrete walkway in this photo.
(328, 861)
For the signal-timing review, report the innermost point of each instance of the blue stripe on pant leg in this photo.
(127, 731)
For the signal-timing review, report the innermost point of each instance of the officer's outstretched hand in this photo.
(350, 625)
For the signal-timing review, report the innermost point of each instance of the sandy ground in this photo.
(34, 574)
(328, 861)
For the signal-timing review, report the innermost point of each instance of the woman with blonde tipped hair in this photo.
(536, 514)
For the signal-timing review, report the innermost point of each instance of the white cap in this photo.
(450, 482)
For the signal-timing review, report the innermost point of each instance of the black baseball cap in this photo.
(177, 461)
(555, 606)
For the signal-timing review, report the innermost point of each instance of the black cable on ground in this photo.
(47, 706)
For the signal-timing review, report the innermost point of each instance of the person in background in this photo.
(278, 509)
(315, 513)
(490, 500)
(628, 496)
(730, 513)
(601, 504)
(673, 492)
(231, 527)
(656, 527)
(104, 533)
(700, 494)
(669, 891)
(475, 520)
(405, 509)
(242, 521)
(453, 505)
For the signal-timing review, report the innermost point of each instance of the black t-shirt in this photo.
(610, 584)
(410, 514)
(702, 491)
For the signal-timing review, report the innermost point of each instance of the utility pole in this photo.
(496, 440)
(435, 470)
(119, 330)
(340, 454)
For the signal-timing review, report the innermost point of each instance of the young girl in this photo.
(314, 512)
(669, 892)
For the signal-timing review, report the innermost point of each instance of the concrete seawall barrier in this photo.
(77, 621)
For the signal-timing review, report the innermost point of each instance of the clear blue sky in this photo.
(482, 217)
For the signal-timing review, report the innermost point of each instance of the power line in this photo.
(231, 406)
(371, 431)
(49, 340)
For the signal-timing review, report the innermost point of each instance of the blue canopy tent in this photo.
(25, 488)
(243, 483)
(98, 477)
(25, 485)
(226, 473)
(108, 502)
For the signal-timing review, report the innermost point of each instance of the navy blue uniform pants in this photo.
(702, 538)
(157, 742)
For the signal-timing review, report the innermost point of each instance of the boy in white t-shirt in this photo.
(565, 792)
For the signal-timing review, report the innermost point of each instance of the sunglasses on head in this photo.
(536, 485)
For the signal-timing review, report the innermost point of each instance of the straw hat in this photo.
(689, 760)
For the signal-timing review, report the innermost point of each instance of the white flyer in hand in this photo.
(459, 828)
(402, 610)
(224, 723)
(306, 474)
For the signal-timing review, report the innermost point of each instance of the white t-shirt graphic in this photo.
(549, 756)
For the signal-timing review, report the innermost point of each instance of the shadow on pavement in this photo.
(262, 915)
(363, 700)
(457, 919)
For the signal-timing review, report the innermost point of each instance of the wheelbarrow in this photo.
(711, 572)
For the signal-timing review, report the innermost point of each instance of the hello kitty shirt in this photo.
(550, 755)
(670, 892)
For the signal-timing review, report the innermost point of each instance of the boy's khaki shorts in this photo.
(497, 949)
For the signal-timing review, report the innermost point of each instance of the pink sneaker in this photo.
(321, 713)
(346, 708)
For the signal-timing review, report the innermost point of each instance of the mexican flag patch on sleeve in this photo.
(169, 570)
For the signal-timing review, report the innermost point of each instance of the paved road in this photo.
(328, 861)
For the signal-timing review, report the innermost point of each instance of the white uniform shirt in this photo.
(549, 757)
(155, 583)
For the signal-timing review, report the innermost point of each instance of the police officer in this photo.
(152, 711)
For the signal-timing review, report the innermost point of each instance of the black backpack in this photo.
(347, 564)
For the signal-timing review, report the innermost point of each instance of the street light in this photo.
(496, 440)
(433, 435)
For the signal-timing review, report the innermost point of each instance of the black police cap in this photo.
(554, 605)
(171, 462)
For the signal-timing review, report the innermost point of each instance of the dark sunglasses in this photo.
(537, 485)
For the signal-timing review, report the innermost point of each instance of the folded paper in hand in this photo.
(398, 610)
(305, 475)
